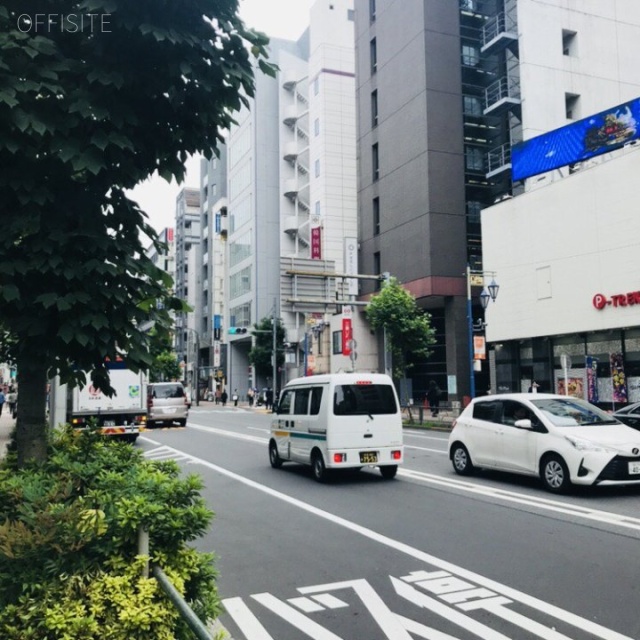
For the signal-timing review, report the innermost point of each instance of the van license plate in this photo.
(367, 457)
(634, 468)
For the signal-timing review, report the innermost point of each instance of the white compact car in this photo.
(563, 440)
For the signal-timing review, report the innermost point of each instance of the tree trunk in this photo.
(31, 425)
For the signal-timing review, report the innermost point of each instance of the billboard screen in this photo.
(592, 136)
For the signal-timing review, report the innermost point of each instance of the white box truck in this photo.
(121, 416)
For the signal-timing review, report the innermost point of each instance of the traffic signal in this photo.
(237, 330)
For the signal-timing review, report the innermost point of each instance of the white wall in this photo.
(604, 73)
(556, 247)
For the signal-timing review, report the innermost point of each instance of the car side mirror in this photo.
(525, 423)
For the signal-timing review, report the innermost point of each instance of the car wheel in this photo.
(555, 474)
(183, 422)
(318, 468)
(461, 460)
(274, 458)
(389, 471)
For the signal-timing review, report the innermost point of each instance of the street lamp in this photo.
(488, 293)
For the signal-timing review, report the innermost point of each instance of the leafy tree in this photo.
(408, 328)
(261, 354)
(164, 363)
(86, 114)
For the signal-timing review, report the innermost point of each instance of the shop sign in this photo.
(601, 301)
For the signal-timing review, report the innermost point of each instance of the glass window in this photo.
(375, 162)
(376, 216)
(317, 168)
(470, 55)
(301, 402)
(373, 50)
(364, 399)
(316, 400)
(374, 108)
(474, 159)
(485, 411)
(513, 411)
(472, 105)
(372, 10)
(337, 342)
(316, 127)
(284, 406)
(572, 412)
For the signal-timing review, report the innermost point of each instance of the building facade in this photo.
(444, 90)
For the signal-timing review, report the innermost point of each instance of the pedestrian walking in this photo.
(235, 397)
(533, 388)
(218, 394)
(2, 400)
(224, 396)
(433, 396)
(12, 401)
(268, 399)
(250, 395)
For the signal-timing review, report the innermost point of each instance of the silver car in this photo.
(167, 402)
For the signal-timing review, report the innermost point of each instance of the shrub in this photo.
(68, 544)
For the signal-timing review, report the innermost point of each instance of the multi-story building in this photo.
(187, 274)
(444, 89)
(291, 192)
(213, 198)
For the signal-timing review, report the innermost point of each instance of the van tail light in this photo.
(339, 457)
(396, 455)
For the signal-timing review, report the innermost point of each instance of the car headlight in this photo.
(586, 445)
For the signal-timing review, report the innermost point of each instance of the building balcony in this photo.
(291, 188)
(502, 96)
(499, 33)
(289, 80)
(290, 151)
(498, 160)
(290, 225)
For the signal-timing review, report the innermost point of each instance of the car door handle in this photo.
(368, 435)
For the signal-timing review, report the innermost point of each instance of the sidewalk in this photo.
(6, 427)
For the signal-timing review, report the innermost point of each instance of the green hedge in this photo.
(69, 568)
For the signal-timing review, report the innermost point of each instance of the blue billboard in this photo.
(592, 136)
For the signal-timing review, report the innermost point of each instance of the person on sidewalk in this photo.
(433, 396)
(12, 401)
(223, 398)
(235, 397)
(2, 400)
(250, 394)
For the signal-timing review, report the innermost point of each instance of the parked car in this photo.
(561, 439)
(630, 415)
(167, 402)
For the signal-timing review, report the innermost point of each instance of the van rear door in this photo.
(365, 415)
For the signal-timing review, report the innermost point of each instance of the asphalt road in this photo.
(427, 555)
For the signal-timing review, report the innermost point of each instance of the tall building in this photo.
(187, 274)
(291, 190)
(444, 89)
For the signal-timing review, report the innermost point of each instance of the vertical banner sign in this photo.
(347, 330)
(316, 243)
(591, 367)
(216, 353)
(479, 348)
(351, 265)
(618, 379)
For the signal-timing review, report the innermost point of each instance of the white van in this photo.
(338, 421)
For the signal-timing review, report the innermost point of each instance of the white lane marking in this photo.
(374, 604)
(329, 601)
(410, 446)
(418, 629)
(419, 434)
(306, 604)
(294, 617)
(259, 429)
(530, 601)
(448, 613)
(606, 517)
(577, 511)
(244, 618)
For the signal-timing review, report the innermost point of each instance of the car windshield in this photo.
(572, 412)
(364, 399)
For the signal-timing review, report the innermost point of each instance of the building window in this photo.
(372, 10)
(470, 55)
(373, 50)
(569, 42)
(316, 127)
(317, 168)
(317, 207)
(376, 216)
(377, 268)
(472, 105)
(572, 104)
(473, 212)
(336, 341)
(351, 15)
(375, 162)
(316, 86)
(374, 108)
(474, 159)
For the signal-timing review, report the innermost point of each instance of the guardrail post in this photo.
(143, 549)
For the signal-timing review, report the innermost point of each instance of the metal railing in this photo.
(502, 23)
(505, 87)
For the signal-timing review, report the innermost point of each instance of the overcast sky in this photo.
(277, 18)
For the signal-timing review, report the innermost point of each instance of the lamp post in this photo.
(488, 293)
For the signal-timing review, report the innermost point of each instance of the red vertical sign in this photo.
(316, 244)
(347, 335)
